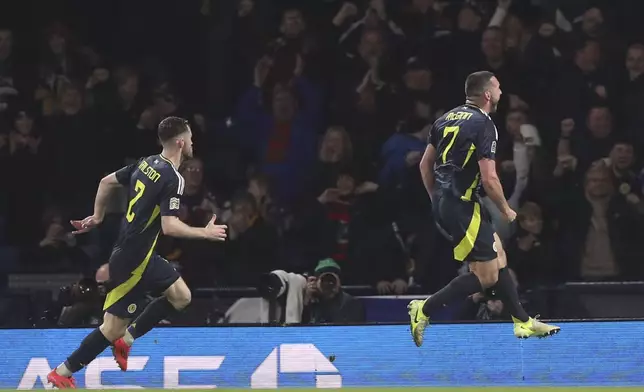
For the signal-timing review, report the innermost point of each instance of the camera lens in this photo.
(269, 286)
(328, 281)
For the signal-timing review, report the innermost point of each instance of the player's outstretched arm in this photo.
(105, 188)
(172, 226)
(493, 188)
(427, 169)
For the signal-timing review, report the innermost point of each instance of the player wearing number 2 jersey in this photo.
(458, 168)
(155, 188)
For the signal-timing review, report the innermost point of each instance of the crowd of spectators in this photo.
(310, 119)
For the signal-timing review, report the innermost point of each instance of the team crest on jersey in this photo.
(174, 203)
(131, 308)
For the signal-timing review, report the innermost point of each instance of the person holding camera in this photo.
(82, 302)
(329, 303)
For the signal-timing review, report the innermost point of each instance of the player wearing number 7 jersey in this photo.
(458, 168)
(155, 189)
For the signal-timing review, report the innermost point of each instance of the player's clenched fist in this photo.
(510, 215)
(215, 232)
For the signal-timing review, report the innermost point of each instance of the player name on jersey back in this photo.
(149, 171)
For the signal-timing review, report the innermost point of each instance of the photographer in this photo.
(289, 298)
(283, 296)
(82, 302)
(329, 303)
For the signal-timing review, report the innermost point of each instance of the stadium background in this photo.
(310, 119)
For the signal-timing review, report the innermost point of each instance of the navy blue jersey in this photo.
(462, 137)
(154, 190)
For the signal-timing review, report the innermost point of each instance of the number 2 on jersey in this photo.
(139, 188)
(447, 131)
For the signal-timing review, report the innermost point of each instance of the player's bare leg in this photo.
(174, 299)
(524, 325)
(95, 343)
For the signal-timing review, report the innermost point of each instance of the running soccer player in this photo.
(459, 159)
(155, 189)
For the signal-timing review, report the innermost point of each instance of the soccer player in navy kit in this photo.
(458, 168)
(155, 189)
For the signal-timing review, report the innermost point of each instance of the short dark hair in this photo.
(582, 44)
(599, 106)
(171, 127)
(476, 83)
(246, 200)
(624, 141)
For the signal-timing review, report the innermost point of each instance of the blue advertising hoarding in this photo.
(583, 354)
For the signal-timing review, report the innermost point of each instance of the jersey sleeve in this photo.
(486, 141)
(171, 196)
(123, 174)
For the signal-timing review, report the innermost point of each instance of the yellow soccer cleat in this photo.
(418, 321)
(533, 328)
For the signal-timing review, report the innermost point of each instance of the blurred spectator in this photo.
(83, 97)
(248, 39)
(278, 216)
(599, 235)
(631, 104)
(420, 86)
(591, 145)
(584, 83)
(522, 166)
(59, 58)
(10, 72)
(531, 251)
(57, 251)
(399, 177)
(419, 21)
(283, 140)
(342, 223)
(195, 259)
(26, 158)
(594, 26)
(364, 98)
(258, 186)
(252, 245)
(71, 130)
(334, 155)
(295, 43)
(621, 162)
(198, 203)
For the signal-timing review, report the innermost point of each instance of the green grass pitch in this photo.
(441, 389)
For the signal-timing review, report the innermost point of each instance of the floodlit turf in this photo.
(441, 389)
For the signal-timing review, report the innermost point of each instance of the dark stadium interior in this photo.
(309, 120)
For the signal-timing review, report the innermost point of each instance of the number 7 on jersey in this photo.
(453, 131)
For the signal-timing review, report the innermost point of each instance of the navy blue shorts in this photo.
(128, 288)
(468, 225)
